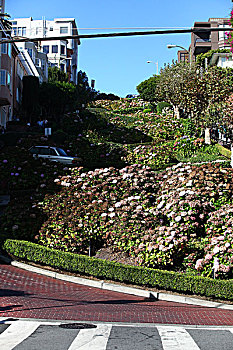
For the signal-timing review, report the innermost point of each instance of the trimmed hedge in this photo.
(104, 269)
(224, 151)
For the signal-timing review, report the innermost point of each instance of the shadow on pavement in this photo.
(9, 307)
(11, 292)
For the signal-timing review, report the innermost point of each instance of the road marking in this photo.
(16, 333)
(176, 338)
(92, 339)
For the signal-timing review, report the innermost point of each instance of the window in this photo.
(46, 49)
(19, 70)
(20, 31)
(2, 77)
(14, 30)
(52, 152)
(63, 30)
(51, 29)
(14, 23)
(9, 81)
(9, 50)
(37, 30)
(17, 95)
(223, 35)
(24, 31)
(4, 47)
(63, 49)
(29, 52)
(44, 151)
(54, 48)
(62, 67)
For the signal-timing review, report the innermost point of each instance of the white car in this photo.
(54, 154)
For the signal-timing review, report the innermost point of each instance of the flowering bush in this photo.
(218, 251)
(156, 156)
(160, 219)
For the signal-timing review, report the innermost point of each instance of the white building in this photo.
(222, 59)
(34, 62)
(62, 53)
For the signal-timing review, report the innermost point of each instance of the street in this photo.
(38, 312)
(37, 335)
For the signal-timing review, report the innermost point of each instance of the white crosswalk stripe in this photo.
(16, 333)
(95, 338)
(21, 334)
(176, 338)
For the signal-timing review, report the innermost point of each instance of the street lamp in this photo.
(171, 46)
(157, 66)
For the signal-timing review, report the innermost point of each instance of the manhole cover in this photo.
(77, 325)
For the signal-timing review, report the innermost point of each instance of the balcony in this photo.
(5, 96)
(201, 40)
(201, 45)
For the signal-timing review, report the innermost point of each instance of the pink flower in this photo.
(198, 265)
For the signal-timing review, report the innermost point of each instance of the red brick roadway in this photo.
(28, 295)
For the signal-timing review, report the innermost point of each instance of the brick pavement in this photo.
(25, 294)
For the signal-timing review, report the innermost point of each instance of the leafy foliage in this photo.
(148, 88)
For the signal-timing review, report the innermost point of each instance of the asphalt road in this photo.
(37, 335)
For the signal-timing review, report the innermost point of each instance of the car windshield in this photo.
(61, 152)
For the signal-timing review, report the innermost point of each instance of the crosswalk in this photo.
(42, 335)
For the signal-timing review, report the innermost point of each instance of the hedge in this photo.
(104, 269)
(224, 151)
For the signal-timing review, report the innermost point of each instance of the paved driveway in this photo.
(25, 294)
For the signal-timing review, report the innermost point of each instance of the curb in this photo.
(151, 295)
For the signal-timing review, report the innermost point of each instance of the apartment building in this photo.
(204, 41)
(222, 59)
(35, 63)
(183, 56)
(61, 52)
(5, 76)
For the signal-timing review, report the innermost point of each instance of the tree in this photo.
(57, 97)
(30, 100)
(84, 92)
(148, 89)
(194, 89)
(104, 96)
(55, 74)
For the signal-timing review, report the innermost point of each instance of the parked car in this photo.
(54, 154)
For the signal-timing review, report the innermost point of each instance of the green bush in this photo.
(168, 280)
(161, 106)
(59, 136)
(147, 110)
(224, 151)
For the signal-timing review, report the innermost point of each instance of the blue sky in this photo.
(118, 65)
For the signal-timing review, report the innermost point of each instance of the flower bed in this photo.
(160, 219)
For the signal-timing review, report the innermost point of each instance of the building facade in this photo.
(34, 62)
(204, 41)
(222, 59)
(61, 53)
(6, 60)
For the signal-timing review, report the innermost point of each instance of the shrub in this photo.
(161, 106)
(224, 151)
(168, 280)
(59, 136)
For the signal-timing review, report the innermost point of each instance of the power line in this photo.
(124, 34)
